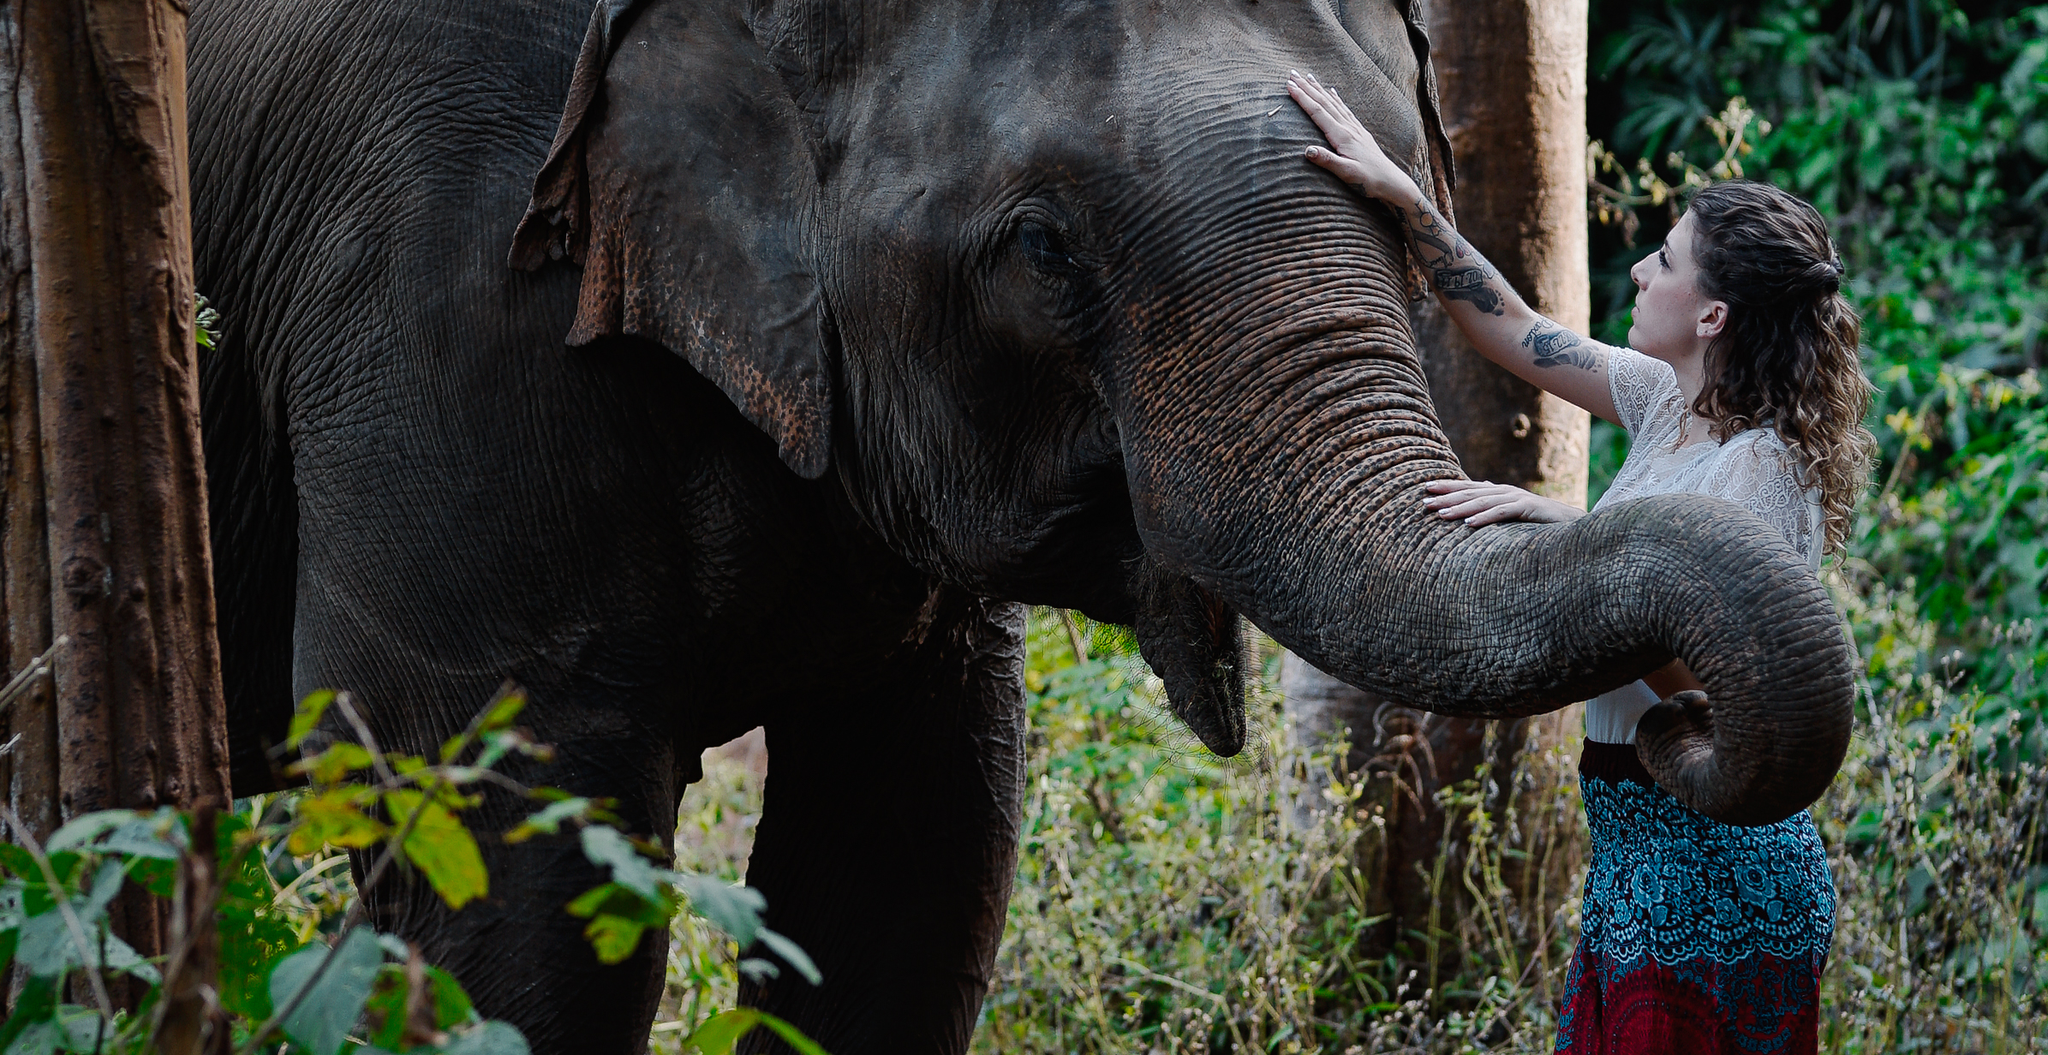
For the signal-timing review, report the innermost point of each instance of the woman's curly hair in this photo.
(1788, 358)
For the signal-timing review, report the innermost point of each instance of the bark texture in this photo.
(1512, 83)
(105, 536)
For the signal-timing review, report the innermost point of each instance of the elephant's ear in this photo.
(1443, 171)
(677, 180)
(1440, 176)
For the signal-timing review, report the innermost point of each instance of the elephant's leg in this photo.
(888, 839)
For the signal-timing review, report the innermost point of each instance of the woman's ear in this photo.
(679, 178)
(1713, 319)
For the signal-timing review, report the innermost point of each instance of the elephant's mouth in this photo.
(1194, 642)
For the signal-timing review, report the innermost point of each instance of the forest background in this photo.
(1170, 901)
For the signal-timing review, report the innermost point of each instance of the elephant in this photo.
(706, 364)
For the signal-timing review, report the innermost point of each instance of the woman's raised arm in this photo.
(1490, 314)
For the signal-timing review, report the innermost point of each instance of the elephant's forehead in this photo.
(1115, 83)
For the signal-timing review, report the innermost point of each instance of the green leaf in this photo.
(120, 956)
(106, 886)
(549, 820)
(611, 899)
(607, 848)
(791, 1035)
(20, 862)
(488, 1038)
(614, 938)
(721, 1031)
(154, 874)
(793, 954)
(618, 915)
(35, 1004)
(42, 1038)
(333, 818)
(333, 1001)
(159, 836)
(452, 1005)
(82, 830)
(386, 1007)
(440, 847)
(503, 711)
(736, 910)
(334, 764)
(82, 1029)
(308, 715)
(48, 947)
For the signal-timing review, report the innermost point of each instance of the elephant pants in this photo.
(1696, 936)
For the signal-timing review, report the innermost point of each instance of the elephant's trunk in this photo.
(1297, 498)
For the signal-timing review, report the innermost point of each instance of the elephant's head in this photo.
(1049, 288)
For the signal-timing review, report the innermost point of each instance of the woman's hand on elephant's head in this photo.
(1478, 503)
(1352, 156)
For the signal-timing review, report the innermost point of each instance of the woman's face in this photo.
(1673, 320)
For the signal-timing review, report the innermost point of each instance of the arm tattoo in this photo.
(1556, 346)
(1455, 268)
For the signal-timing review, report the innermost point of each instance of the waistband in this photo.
(1613, 763)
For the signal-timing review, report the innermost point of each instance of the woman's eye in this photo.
(1663, 261)
(1044, 249)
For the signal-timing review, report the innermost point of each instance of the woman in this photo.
(1742, 381)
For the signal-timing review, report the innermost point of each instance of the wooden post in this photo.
(1511, 78)
(102, 492)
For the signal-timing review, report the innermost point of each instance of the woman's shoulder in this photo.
(1645, 390)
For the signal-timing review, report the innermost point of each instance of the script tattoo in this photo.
(1455, 268)
(1556, 346)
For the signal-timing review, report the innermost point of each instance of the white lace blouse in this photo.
(1752, 469)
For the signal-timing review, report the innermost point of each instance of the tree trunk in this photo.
(1512, 81)
(102, 492)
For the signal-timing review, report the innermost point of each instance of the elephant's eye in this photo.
(1046, 251)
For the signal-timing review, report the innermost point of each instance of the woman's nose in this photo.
(1635, 274)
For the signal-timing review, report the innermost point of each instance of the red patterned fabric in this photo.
(1762, 1005)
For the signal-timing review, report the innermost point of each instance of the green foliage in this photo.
(205, 324)
(1167, 901)
(723, 1030)
(297, 966)
(326, 988)
(714, 836)
(1939, 853)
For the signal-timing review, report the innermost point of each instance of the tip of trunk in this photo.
(1677, 742)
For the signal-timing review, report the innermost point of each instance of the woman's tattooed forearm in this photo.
(1455, 268)
(1554, 345)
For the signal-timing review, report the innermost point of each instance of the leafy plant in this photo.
(284, 974)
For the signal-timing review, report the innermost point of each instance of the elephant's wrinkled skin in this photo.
(882, 319)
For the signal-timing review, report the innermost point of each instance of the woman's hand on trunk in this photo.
(1352, 156)
(1479, 503)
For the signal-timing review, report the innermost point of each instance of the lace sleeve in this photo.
(1756, 471)
(1645, 391)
